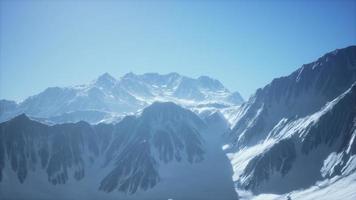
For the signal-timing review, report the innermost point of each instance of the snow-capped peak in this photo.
(108, 96)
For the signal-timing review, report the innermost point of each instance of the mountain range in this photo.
(107, 99)
(168, 136)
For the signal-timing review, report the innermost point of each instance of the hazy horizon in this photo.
(242, 44)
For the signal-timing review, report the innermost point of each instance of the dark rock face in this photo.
(164, 127)
(332, 132)
(303, 92)
(135, 169)
(57, 148)
(279, 158)
(309, 119)
(65, 151)
(338, 123)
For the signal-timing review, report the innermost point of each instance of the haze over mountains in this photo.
(109, 99)
(293, 139)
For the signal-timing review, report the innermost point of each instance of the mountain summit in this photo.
(105, 80)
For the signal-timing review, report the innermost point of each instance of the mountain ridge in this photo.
(297, 132)
(113, 97)
(130, 157)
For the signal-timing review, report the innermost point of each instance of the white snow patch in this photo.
(240, 159)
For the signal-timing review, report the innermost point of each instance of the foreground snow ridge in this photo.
(338, 187)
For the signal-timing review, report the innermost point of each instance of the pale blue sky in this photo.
(244, 44)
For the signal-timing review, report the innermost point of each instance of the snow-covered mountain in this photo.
(295, 138)
(108, 99)
(166, 152)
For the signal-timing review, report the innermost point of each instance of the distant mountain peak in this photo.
(106, 76)
(129, 75)
(169, 111)
(208, 82)
(105, 80)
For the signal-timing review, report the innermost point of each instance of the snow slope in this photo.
(295, 138)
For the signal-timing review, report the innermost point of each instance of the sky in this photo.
(244, 44)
